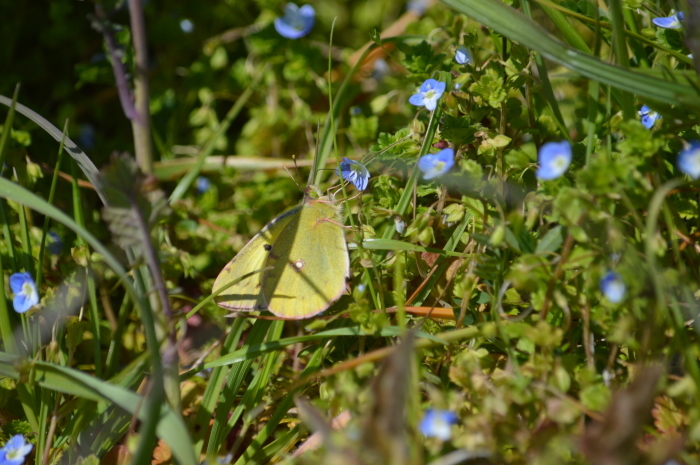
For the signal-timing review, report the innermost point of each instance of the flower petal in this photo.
(670, 22)
(554, 159)
(417, 99)
(296, 22)
(613, 287)
(689, 160)
(438, 424)
(427, 85)
(462, 55)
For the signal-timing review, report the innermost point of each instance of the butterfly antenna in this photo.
(291, 175)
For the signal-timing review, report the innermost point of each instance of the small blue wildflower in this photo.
(554, 159)
(202, 184)
(649, 116)
(428, 94)
(438, 424)
(24, 289)
(670, 22)
(689, 159)
(613, 287)
(355, 172)
(187, 26)
(55, 245)
(15, 451)
(436, 164)
(296, 22)
(462, 55)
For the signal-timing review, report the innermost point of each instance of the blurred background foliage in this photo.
(542, 368)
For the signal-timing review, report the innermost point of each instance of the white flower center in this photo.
(559, 162)
(429, 94)
(439, 166)
(27, 289)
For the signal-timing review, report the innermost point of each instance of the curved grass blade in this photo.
(22, 196)
(516, 26)
(71, 147)
(254, 351)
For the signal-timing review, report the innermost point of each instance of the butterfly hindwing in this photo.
(309, 262)
(247, 293)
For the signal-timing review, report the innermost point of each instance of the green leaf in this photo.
(458, 129)
(551, 241)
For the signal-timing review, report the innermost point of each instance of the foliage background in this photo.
(539, 366)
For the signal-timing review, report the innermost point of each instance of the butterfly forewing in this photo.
(309, 263)
(247, 293)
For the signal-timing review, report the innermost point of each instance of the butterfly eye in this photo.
(267, 247)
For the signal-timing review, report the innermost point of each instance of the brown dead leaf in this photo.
(162, 454)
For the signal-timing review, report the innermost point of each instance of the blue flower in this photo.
(428, 94)
(187, 26)
(689, 159)
(296, 22)
(202, 184)
(554, 159)
(24, 289)
(436, 164)
(55, 244)
(613, 287)
(671, 22)
(15, 451)
(462, 55)
(355, 172)
(649, 116)
(437, 424)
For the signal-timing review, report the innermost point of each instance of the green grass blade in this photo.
(83, 161)
(236, 376)
(393, 244)
(22, 196)
(514, 25)
(92, 295)
(282, 408)
(171, 428)
(7, 127)
(52, 195)
(214, 387)
(252, 351)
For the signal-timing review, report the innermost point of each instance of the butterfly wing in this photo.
(247, 293)
(309, 262)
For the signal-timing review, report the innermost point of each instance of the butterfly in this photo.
(305, 263)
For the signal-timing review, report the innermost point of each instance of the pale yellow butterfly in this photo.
(306, 250)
